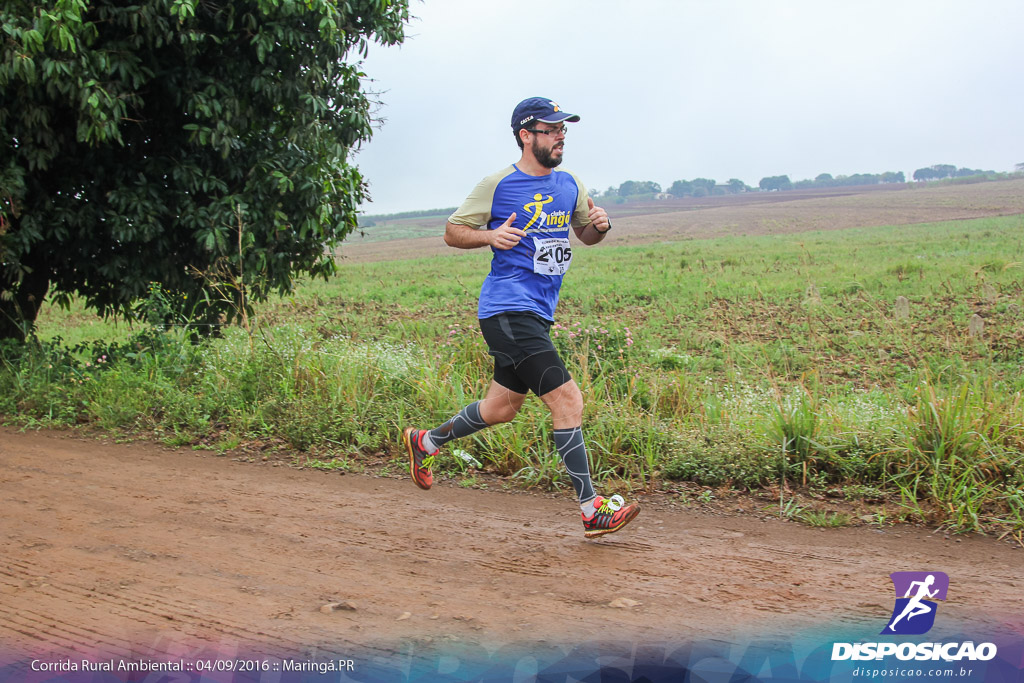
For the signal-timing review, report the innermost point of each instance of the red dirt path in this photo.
(109, 548)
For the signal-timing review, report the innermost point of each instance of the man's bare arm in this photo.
(465, 237)
(594, 231)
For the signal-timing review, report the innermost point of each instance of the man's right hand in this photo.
(505, 236)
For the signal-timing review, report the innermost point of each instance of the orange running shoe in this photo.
(610, 515)
(420, 461)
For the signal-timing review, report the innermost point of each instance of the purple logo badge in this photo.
(916, 593)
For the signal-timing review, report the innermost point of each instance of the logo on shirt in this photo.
(540, 217)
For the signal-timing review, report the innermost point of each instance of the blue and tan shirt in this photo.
(527, 277)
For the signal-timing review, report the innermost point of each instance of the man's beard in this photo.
(544, 156)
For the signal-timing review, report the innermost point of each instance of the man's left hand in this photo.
(598, 217)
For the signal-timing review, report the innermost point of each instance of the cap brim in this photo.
(559, 117)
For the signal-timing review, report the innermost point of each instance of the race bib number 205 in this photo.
(553, 256)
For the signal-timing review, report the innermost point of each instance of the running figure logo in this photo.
(537, 206)
(914, 613)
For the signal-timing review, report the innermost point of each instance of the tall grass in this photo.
(963, 453)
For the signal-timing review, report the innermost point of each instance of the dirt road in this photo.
(107, 548)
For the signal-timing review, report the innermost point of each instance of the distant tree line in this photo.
(631, 190)
(371, 220)
(782, 182)
(940, 171)
(639, 190)
(648, 189)
(826, 180)
(634, 190)
(702, 187)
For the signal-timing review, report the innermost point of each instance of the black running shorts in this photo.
(524, 356)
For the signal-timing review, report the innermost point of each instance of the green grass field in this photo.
(424, 224)
(772, 363)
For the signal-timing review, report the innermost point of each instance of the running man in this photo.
(916, 607)
(523, 213)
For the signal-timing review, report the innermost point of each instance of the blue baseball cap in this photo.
(539, 109)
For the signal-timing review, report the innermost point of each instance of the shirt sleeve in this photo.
(476, 209)
(581, 214)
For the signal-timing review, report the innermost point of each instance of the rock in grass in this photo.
(977, 326)
(902, 309)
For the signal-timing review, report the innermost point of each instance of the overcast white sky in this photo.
(678, 89)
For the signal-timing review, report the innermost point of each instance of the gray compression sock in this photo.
(468, 421)
(569, 443)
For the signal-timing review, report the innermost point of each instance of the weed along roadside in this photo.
(834, 374)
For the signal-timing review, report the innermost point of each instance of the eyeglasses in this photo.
(561, 130)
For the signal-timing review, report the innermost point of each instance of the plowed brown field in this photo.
(765, 213)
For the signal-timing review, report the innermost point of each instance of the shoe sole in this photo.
(407, 439)
(623, 522)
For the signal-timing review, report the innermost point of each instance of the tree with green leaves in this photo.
(775, 182)
(631, 188)
(681, 188)
(736, 186)
(938, 171)
(200, 144)
(703, 187)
